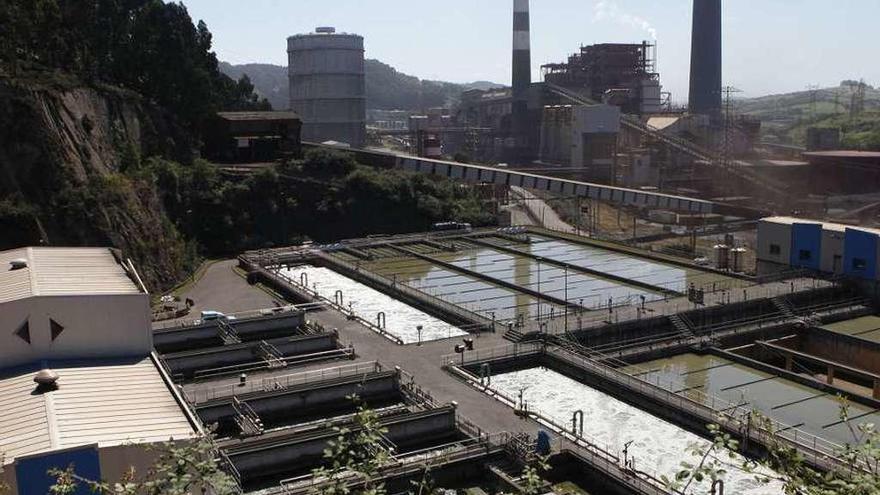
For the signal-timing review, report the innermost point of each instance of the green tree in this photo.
(858, 474)
(179, 469)
(358, 452)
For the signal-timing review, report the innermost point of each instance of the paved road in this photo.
(221, 289)
(542, 213)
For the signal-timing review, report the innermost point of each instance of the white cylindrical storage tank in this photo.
(722, 256)
(327, 86)
(737, 256)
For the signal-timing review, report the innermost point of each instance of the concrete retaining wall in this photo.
(195, 337)
(189, 362)
(308, 400)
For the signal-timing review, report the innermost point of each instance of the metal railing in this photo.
(599, 457)
(710, 408)
(477, 356)
(403, 464)
(237, 317)
(339, 307)
(396, 287)
(201, 395)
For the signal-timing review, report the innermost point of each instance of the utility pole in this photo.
(814, 100)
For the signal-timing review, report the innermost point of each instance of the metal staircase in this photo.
(247, 420)
(227, 334)
(682, 325)
(784, 307)
(273, 357)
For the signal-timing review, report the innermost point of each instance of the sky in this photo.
(770, 46)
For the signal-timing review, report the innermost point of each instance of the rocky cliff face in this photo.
(61, 153)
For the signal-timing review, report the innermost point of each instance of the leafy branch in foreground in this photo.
(3, 486)
(533, 482)
(857, 474)
(357, 450)
(179, 469)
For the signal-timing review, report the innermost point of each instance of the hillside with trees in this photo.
(387, 89)
(101, 107)
(787, 117)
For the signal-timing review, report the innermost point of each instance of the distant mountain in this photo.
(387, 89)
(483, 85)
(270, 81)
(786, 117)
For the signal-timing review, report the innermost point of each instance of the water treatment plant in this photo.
(643, 286)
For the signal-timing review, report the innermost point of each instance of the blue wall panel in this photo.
(31, 473)
(806, 245)
(860, 254)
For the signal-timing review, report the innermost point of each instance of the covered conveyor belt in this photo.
(490, 175)
(211, 333)
(273, 352)
(284, 453)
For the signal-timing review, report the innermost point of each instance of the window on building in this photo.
(859, 264)
(805, 255)
(775, 249)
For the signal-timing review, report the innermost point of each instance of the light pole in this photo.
(565, 272)
(539, 288)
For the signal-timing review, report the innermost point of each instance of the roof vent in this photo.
(46, 379)
(18, 264)
(325, 30)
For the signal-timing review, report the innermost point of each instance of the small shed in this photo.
(250, 137)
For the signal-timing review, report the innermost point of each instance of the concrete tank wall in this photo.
(206, 334)
(327, 86)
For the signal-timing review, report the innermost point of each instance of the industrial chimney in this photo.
(705, 93)
(522, 68)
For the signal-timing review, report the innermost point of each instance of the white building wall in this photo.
(832, 251)
(772, 233)
(94, 326)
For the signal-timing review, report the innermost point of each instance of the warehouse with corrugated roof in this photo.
(79, 383)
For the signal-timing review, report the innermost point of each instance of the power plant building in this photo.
(327, 86)
(614, 73)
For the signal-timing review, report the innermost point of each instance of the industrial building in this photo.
(327, 88)
(78, 380)
(792, 243)
(246, 137)
(615, 73)
(843, 172)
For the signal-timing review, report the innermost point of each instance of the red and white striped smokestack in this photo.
(522, 65)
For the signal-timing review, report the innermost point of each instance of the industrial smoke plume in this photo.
(609, 10)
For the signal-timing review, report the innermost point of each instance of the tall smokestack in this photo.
(522, 67)
(706, 81)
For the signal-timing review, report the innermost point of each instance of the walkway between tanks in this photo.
(221, 285)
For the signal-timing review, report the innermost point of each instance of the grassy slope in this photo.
(786, 117)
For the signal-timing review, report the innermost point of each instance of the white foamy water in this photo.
(657, 446)
(401, 319)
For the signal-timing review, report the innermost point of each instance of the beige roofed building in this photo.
(61, 303)
(104, 403)
(83, 315)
